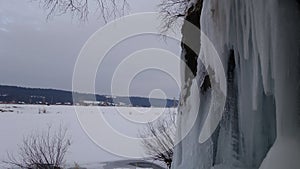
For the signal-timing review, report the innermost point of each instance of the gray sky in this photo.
(39, 53)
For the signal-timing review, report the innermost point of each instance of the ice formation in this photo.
(258, 42)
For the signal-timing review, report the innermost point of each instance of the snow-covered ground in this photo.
(17, 121)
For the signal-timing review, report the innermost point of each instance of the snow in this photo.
(17, 121)
(260, 124)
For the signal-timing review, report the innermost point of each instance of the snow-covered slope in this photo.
(259, 46)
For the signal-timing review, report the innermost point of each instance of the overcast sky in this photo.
(39, 53)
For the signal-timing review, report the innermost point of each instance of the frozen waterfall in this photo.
(258, 42)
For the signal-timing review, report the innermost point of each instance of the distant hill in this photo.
(22, 95)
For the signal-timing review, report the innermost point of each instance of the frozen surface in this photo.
(17, 121)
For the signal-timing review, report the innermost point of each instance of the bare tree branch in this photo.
(158, 139)
(41, 150)
(172, 10)
(81, 8)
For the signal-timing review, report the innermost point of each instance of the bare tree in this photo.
(82, 8)
(158, 139)
(172, 10)
(44, 150)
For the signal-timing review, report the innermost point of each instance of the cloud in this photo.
(4, 29)
(6, 20)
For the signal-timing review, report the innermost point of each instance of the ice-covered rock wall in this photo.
(258, 42)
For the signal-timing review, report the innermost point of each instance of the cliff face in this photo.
(258, 43)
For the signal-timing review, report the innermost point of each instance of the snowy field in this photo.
(17, 121)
